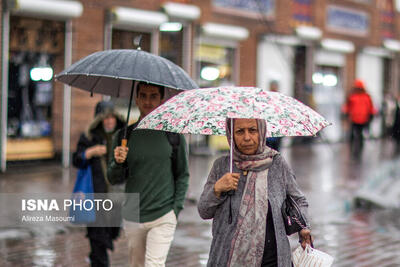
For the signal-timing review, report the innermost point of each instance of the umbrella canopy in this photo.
(111, 72)
(204, 111)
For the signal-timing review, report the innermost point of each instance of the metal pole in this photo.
(231, 150)
(187, 48)
(134, 84)
(155, 37)
(4, 88)
(67, 99)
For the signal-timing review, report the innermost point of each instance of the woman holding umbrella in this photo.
(248, 230)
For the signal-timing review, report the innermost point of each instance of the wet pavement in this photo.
(326, 173)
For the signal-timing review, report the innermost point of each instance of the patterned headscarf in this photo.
(248, 242)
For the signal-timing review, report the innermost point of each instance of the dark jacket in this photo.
(95, 135)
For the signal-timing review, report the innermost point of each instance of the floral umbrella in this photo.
(204, 111)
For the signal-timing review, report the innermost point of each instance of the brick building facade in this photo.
(250, 43)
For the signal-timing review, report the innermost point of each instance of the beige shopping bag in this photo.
(311, 257)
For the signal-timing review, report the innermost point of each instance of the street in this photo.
(326, 173)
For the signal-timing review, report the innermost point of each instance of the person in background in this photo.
(396, 126)
(274, 142)
(155, 166)
(359, 110)
(93, 149)
(389, 107)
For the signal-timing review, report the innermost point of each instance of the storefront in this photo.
(329, 81)
(166, 34)
(276, 62)
(373, 66)
(36, 44)
(288, 61)
(216, 56)
(216, 63)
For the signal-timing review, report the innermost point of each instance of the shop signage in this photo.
(248, 8)
(347, 21)
(302, 12)
(363, 1)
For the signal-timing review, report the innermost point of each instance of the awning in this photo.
(225, 31)
(131, 17)
(309, 32)
(182, 11)
(377, 51)
(338, 45)
(47, 9)
(392, 45)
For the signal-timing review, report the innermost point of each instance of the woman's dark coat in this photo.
(96, 136)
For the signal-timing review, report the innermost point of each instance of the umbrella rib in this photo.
(95, 84)
(119, 87)
(74, 80)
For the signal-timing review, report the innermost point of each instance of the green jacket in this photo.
(150, 174)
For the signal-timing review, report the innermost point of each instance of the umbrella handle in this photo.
(124, 142)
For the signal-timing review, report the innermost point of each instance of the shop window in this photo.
(328, 94)
(171, 45)
(34, 46)
(215, 65)
(30, 95)
(130, 40)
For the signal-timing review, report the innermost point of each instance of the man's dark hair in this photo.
(161, 89)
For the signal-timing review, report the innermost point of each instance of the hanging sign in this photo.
(347, 21)
(247, 8)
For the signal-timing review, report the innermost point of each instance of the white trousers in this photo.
(149, 242)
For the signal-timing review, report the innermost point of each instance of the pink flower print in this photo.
(206, 131)
(199, 124)
(159, 127)
(272, 127)
(293, 116)
(298, 133)
(213, 107)
(167, 116)
(180, 107)
(204, 119)
(284, 131)
(221, 124)
(235, 96)
(218, 99)
(240, 109)
(231, 114)
(247, 101)
(175, 122)
(284, 122)
(278, 110)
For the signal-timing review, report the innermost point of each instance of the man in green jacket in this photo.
(160, 182)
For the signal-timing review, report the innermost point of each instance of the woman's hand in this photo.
(226, 183)
(305, 238)
(120, 153)
(95, 151)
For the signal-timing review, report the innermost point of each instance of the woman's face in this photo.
(109, 123)
(245, 135)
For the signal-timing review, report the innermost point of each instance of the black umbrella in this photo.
(114, 72)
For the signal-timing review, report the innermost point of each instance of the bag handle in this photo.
(311, 245)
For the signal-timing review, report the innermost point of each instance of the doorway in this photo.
(328, 95)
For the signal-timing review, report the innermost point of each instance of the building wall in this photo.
(88, 37)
